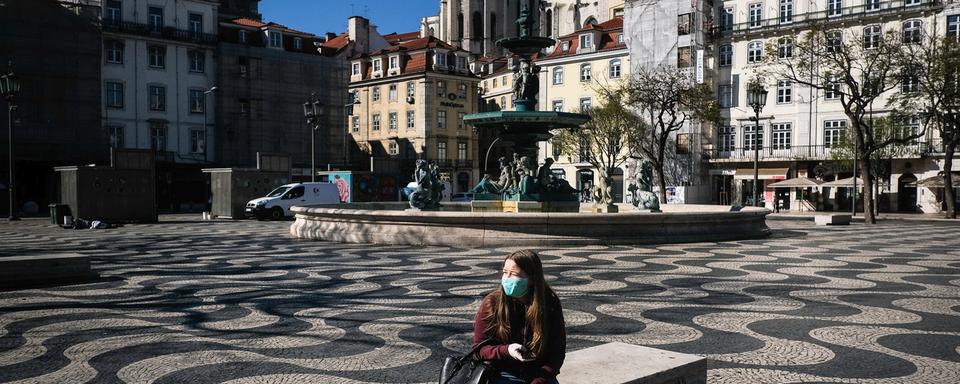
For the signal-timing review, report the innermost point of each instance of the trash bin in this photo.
(57, 212)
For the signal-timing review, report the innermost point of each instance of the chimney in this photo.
(329, 36)
(358, 29)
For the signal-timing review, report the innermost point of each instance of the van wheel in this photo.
(276, 213)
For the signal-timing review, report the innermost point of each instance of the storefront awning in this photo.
(798, 182)
(764, 173)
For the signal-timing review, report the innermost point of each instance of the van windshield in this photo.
(277, 192)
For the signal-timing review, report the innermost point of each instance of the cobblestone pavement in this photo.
(240, 302)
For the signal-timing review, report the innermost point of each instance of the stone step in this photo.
(25, 271)
(621, 363)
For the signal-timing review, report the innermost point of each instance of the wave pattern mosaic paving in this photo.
(239, 302)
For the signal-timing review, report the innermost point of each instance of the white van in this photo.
(277, 203)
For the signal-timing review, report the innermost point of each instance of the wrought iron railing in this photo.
(165, 32)
(932, 147)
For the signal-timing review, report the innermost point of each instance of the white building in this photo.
(158, 65)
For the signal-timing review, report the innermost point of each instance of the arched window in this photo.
(549, 18)
(615, 69)
(493, 26)
(460, 26)
(590, 20)
(871, 36)
(477, 23)
(911, 31)
(754, 51)
(585, 74)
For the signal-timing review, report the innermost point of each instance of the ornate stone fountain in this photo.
(521, 185)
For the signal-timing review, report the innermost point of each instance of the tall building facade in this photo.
(158, 69)
(562, 17)
(476, 25)
(411, 98)
(800, 126)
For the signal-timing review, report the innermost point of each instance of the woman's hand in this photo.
(514, 350)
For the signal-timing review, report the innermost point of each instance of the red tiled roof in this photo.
(248, 22)
(338, 42)
(396, 38)
(608, 38)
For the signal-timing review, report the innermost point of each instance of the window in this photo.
(276, 39)
(158, 56)
(114, 51)
(953, 26)
(615, 69)
(392, 117)
(195, 25)
(355, 69)
(442, 150)
(411, 91)
(242, 36)
(585, 74)
(911, 2)
(909, 80)
(375, 93)
(462, 151)
(756, 13)
(872, 35)
(395, 62)
(376, 122)
(355, 124)
(114, 94)
(158, 135)
(725, 98)
(833, 131)
(440, 58)
(441, 119)
(462, 90)
(495, 82)
(297, 43)
(565, 46)
(619, 39)
(196, 101)
(585, 104)
(392, 92)
(752, 137)
(912, 129)
(833, 87)
(460, 116)
(558, 76)
(377, 66)
(198, 141)
(113, 14)
(586, 41)
(784, 92)
(158, 98)
(683, 24)
(197, 61)
(682, 143)
(727, 138)
(392, 148)
(911, 31)
(726, 19)
(116, 135)
(785, 48)
(781, 135)
(411, 122)
(872, 4)
(834, 40)
(786, 11)
(155, 19)
(557, 106)
(461, 62)
(871, 86)
(684, 57)
(834, 7)
(726, 55)
(503, 102)
(755, 52)
(441, 88)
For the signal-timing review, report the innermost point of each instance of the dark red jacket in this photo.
(546, 366)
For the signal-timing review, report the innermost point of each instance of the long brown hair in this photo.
(540, 299)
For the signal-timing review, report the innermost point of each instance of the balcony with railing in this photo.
(933, 147)
(859, 12)
(169, 33)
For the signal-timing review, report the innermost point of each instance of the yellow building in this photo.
(571, 79)
(412, 97)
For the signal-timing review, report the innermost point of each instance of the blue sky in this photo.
(320, 16)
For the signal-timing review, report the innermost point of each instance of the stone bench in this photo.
(620, 363)
(25, 271)
(833, 219)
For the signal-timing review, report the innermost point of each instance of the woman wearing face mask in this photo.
(524, 320)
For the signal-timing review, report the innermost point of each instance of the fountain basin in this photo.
(351, 223)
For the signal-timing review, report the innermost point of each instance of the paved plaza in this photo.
(239, 302)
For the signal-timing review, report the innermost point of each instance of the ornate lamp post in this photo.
(9, 88)
(313, 112)
(756, 98)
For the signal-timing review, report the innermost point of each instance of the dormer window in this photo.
(242, 36)
(395, 62)
(376, 65)
(565, 46)
(356, 69)
(461, 62)
(620, 38)
(276, 39)
(586, 41)
(297, 43)
(440, 58)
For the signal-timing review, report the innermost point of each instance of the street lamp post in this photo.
(313, 112)
(756, 98)
(9, 88)
(205, 106)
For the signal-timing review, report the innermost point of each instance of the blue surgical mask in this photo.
(514, 286)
